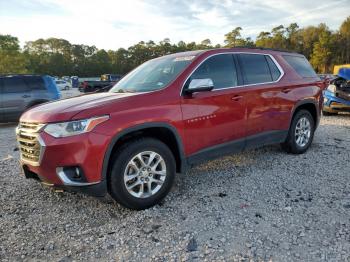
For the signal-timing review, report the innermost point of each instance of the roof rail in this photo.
(265, 48)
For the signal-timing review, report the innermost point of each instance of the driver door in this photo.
(215, 121)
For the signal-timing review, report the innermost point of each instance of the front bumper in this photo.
(58, 156)
(334, 104)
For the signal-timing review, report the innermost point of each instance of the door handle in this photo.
(236, 98)
(286, 90)
(26, 96)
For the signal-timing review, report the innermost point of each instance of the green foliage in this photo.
(323, 47)
(234, 39)
(11, 59)
(322, 52)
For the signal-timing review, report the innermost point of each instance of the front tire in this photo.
(301, 133)
(142, 173)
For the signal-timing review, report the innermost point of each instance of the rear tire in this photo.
(135, 181)
(301, 133)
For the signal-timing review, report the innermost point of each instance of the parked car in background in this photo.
(89, 86)
(111, 77)
(337, 94)
(21, 92)
(168, 114)
(105, 83)
(66, 78)
(63, 84)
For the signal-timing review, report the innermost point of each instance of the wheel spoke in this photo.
(139, 157)
(154, 166)
(134, 165)
(131, 177)
(141, 190)
(149, 186)
(298, 140)
(157, 181)
(160, 172)
(151, 158)
(136, 183)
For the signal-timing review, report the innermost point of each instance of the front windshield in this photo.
(152, 75)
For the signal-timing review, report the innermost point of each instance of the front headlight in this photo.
(331, 88)
(75, 127)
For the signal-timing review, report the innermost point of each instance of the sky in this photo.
(111, 24)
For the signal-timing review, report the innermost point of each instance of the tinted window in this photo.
(275, 73)
(14, 85)
(220, 68)
(300, 65)
(35, 82)
(255, 69)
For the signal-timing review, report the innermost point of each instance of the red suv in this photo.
(168, 114)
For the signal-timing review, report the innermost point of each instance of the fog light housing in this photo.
(72, 176)
(74, 173)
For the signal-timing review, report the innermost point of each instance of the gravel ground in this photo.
(259, 205)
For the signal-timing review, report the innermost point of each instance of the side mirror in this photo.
(200, 85)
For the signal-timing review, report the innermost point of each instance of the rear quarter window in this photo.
(275, 72)
(300, 65)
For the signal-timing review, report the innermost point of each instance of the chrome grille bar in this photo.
(30, 143)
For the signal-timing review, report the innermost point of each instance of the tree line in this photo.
(323, 47)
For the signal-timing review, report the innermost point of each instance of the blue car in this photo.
(337, 95)
(21, 92)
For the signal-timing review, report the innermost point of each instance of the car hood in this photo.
(66, 109)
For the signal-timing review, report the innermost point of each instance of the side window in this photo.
(300, 65)
(35, 82)
(255, 69)
(14, 85)
(275, 72)
(219, 68)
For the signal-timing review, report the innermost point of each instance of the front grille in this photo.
(343, 94)
(30, 144)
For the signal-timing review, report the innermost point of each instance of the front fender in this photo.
(140, 127)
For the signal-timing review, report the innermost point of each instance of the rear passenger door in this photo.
(16, 97)
(260, 75)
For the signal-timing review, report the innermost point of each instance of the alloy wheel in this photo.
(302, 131)
(145, 174)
